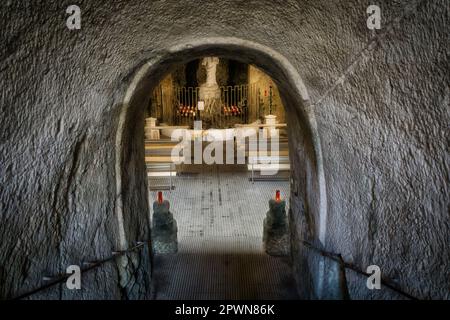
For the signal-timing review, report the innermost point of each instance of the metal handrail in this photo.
(92, 265)
(338, 258)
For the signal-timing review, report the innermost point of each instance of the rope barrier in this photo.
(140, 245)
(92, 265)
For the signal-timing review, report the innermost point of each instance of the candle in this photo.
(277, 196)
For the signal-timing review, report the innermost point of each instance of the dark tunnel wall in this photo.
(382, 119)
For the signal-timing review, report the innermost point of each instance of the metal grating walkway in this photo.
(220, 221)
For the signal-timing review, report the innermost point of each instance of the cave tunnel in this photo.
(89, 180)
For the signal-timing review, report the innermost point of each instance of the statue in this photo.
(210, 64)
(209, 91)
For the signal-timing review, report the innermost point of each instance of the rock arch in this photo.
(307, 173)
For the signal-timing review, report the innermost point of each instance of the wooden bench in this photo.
(160, 162)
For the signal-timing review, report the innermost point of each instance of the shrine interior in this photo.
(218, 205)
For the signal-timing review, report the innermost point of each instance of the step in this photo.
(163, 159)
(162, 174)
(268, 153)
(269, 167)
(162, 152)
(268, 160)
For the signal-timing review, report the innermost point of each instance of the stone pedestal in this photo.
(208, 94)
(270, 131)
(151, 134)
(276, 233)
(164, 229)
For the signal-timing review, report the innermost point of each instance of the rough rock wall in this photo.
(260, 82)
(383, 129)
(383, 133)
(161, 101)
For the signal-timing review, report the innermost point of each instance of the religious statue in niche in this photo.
(209, 91)
(210, 64)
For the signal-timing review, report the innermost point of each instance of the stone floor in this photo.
(220, 223)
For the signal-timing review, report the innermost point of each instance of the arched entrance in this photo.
(308, 213)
